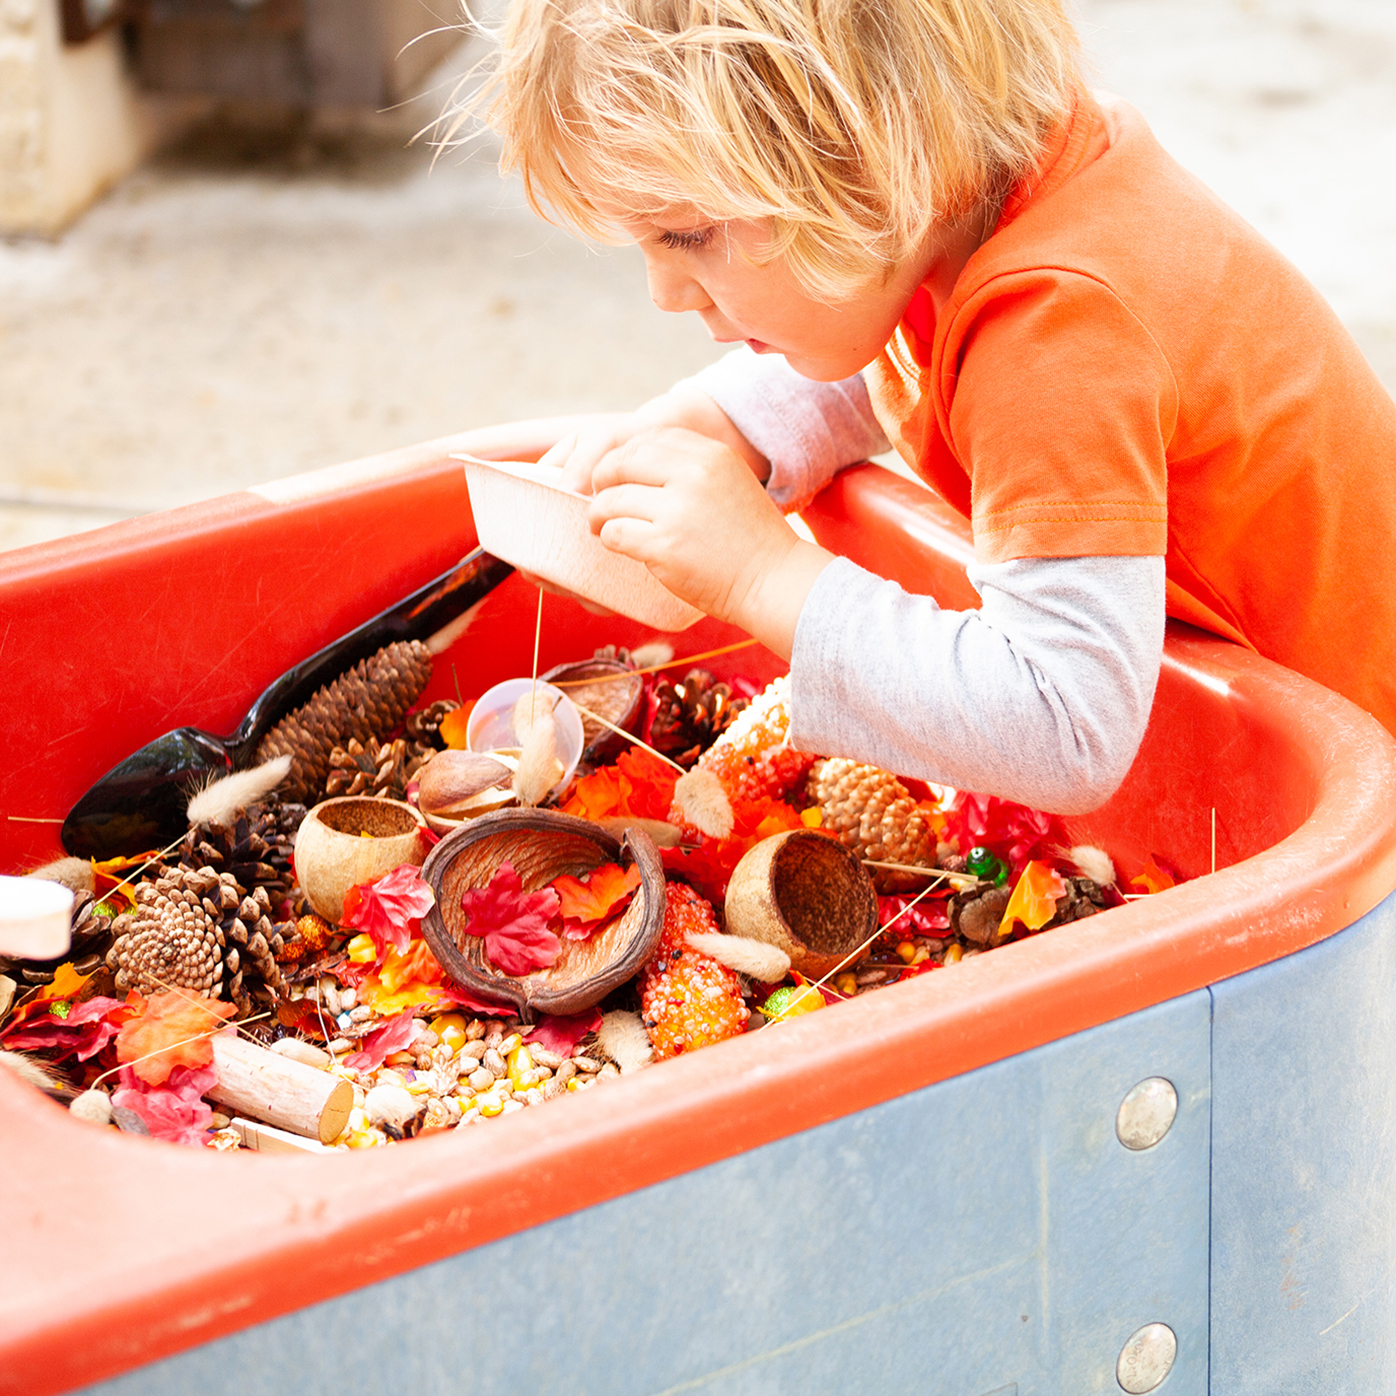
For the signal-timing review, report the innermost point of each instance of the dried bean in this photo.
(495, 1062)
(586, 1064)
(483, 1079)
(474, 1049)
(566, 1072)
(361, 1014)
(474, 1031)
(543, 1057)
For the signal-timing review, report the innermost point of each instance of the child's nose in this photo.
(672, 288)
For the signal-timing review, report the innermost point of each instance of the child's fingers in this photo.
(637, 538)
(627, 501)
(560, 451)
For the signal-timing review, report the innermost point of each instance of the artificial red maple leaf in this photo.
(174, 1111)
(1153, 879)
(394, 1036)
(926, 918)
(561, 1035)
(81, 1032)
(171, 1030)
(587, 903)
(514, 923)
(1034, 899)
(390, 908)
(1017, 833)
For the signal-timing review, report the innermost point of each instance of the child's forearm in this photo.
(1042, 696)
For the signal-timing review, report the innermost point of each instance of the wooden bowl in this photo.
(597, 684)
(542, 845)
(332, 854)
(806, 893)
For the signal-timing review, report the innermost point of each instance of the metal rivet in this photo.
(1147, 1358)
(1147, 1113)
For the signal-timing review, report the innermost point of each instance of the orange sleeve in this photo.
(1060, 407)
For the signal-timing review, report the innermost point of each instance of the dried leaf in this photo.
(453, 725)
(390, 909)
(1034, 899)
(514, 923)
(561, 1035)
(171, 1030)
(173, 1111)
(394, 1036)
(602, 895)
(1153, 879)
(639, 783)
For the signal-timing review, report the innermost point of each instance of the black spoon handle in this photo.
(415, 617)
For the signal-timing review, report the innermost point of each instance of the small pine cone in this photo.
(751, 758)
(379, 770)
(423, 729)
(171, 940)
(304, 940)
(252, 848)
(367, 703)
(91, 939)
(691, 714)
(1083, 898)
(195, 929)
(688, 1000)
(977, 915)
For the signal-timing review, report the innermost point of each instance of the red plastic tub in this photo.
(120, 1250)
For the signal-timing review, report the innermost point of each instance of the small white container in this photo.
(522, 516)
(490, 726)
(36, 918)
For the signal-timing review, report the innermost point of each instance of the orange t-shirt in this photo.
(1126, 367)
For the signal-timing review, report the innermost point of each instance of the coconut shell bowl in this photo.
(542, 845)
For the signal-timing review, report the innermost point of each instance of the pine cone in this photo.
(873, 813)
(91, 940)
(751, 758)
(423, 730)
(254, 849)
(194, 929)
(368, 703)
(691, 714)
(381, 770)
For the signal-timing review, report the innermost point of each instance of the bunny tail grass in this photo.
(754, 958)
(703, 802)
(539, 768)
(220, 800)
(654, 655)
(623, 1038)
(1093, 863)
(75, 874)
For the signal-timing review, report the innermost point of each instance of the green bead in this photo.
(984, 865)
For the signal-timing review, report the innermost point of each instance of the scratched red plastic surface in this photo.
(116, 1257)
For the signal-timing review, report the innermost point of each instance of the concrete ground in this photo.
(255, 304)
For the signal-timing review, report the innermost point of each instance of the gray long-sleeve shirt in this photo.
(1042, 695)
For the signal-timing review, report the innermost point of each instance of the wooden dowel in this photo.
(279, 1091)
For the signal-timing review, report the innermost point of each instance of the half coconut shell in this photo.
(542, 845)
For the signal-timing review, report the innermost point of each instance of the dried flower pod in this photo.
(542, 845)
(611, 689)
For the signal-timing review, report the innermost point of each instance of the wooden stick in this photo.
(282, 1092)
(265, 1139)
(653, 668)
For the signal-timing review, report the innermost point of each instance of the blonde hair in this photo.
(853, 126)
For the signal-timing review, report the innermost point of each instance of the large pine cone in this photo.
(872, 812)
(194, 929)
(91, 940)
(691, 714)
(368, 704)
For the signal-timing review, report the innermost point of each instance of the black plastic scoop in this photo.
(141, 802)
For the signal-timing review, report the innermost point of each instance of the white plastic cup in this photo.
(36, 918)
(490, 726)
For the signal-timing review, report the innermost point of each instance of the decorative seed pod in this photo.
(806, 893)
(618, 700)
(542, 845)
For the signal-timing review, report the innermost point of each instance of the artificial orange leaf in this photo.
(415, 965)
(173, 1030)
(596, 896)
(453, 726)
(1152, 879)
(1034, 899)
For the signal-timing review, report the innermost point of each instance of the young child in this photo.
(927, 231)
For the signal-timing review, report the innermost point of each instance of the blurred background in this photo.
(222, 260)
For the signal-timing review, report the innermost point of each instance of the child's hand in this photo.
(690, 508)
(579, 451)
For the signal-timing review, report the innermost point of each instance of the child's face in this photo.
(714, 269)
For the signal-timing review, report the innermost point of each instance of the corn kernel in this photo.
(490, 1104)
(573, 1084)
(450, 1028)
(954, 954)
(847, 983)
(921, 956)
(509, 1044)
(520, 1063)
(906, 951)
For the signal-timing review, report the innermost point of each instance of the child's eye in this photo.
(696, 237)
